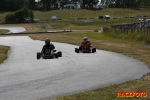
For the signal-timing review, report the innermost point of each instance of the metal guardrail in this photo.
(144, 25)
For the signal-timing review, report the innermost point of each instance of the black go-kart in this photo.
(49, 54)
(85, 49)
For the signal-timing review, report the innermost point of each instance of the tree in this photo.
(126, 3)
(10, 19)
(119, 3)
(20, 16)
(2, 3)
(144, 3)
(91, 3)
(84, 3)
(13, 5)
(31, 16)
(32, 4)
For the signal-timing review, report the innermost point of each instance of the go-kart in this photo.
(85, 49)
(48, 54)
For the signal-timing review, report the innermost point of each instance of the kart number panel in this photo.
(85, 46)
(47, 51)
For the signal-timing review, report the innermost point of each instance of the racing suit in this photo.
(51, 46)
(88, 43)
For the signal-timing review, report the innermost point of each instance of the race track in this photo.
(13, 29)
(23, 77)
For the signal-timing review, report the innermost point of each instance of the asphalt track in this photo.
(23, 77)
(13, 29)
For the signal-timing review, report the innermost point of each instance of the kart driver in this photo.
(85, 42)
(48, 45)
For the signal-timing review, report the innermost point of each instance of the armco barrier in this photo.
(140, 26)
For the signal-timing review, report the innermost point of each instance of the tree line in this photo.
(13, 5)
(20, 16)
(126, 3)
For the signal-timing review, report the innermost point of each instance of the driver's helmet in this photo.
(47, 41)
(85, 39)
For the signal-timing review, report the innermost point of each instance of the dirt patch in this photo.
(148, 45)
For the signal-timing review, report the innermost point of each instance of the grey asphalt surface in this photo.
(23, 77)
(13, 29)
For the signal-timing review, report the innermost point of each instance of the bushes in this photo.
(10, 18)
(20, 16)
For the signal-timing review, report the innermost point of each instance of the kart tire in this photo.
(93, 50)
(80, 48)
(76, 49)
(56, 55)
(38, 55)
(59, 54)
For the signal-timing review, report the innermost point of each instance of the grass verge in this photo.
(3, 53)
(3, 31)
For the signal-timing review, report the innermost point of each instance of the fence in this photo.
(143, 27)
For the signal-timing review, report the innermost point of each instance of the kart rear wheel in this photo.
(93, 50)
(56, 55)
(77, 50)
(59, 54)
(38, 55)
(80, 48)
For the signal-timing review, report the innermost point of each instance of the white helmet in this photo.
(85, 38)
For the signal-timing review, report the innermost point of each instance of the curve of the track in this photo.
(23, 77)
(13, 29)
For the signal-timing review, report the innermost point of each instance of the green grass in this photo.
(107, 93)
(84, 13)
(88, 14)
(3, 31)
(3, 53)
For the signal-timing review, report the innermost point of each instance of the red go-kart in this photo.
(85, 49)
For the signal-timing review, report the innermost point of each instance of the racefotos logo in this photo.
(132, 94)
